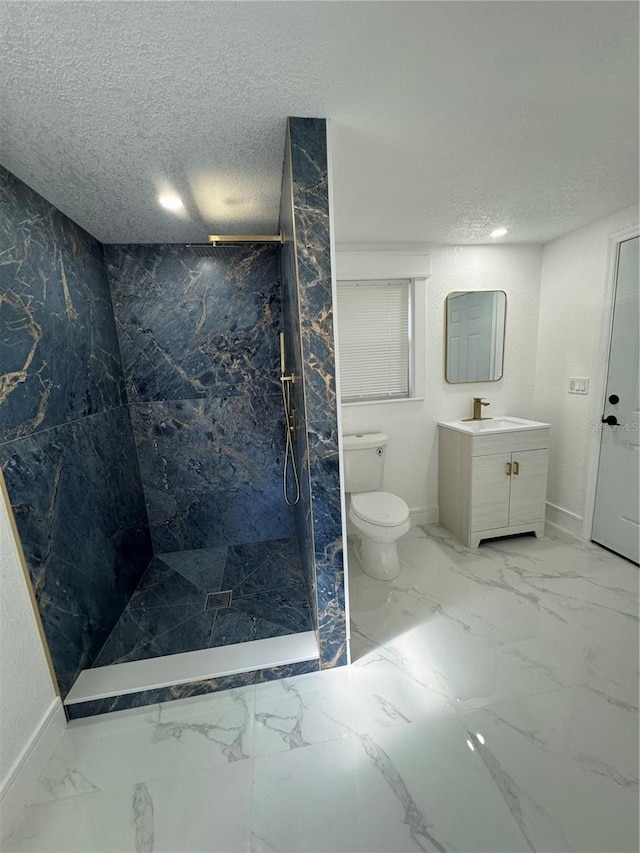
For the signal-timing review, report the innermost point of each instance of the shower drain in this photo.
(216, 600)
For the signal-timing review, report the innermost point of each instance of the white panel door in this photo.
(470, 328)
(616, 520)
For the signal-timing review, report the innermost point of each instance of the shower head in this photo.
(202, 250)
(238, 239)
(231, 241)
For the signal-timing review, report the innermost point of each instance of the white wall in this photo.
(412, 458)
(574, 312)
(28, 701)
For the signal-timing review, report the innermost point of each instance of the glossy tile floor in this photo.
(493, 706)
(172, 610)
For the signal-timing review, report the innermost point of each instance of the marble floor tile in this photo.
(232, 625)
(292, 713)
(566, 762)
(163, 586)
(320, 707)
(204, 567)
(486, 676)
(382, 793)
(141, 634)
(196, 811)
(97, 822)
(492, 705)
(287, 608)
(258, 566)
(166, 614)
(131, 746)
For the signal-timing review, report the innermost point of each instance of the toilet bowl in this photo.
(380, 518)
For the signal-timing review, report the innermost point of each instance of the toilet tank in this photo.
(364, 461)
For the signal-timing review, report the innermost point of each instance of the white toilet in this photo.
(379, 517)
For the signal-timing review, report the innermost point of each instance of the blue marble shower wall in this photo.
(66, 444)
(308, 312)
(199, 344)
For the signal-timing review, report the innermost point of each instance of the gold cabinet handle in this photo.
(508, 469)
(516, 468)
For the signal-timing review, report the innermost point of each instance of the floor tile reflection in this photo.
(492, 705)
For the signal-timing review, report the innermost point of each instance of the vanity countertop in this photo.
(490, 426)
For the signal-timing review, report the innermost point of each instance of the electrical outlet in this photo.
(578, 385)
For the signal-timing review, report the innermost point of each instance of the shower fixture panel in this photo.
(290, 427)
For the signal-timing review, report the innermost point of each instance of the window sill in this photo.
(382, 402)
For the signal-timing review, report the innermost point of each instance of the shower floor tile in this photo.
(167, 614)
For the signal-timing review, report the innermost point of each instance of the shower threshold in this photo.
(147, 681)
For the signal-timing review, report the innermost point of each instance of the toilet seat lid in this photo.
(381, 508)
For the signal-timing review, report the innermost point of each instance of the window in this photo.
(374, 339)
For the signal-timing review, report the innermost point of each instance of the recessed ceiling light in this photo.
(171, 202)
(499, 232)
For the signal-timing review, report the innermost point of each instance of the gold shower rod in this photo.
(220, 239)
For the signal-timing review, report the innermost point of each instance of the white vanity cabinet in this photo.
(492, 483)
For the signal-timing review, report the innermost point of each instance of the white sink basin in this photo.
(493, 425)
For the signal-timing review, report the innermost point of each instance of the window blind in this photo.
(373, 336)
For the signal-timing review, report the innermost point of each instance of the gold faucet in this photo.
(478, 403)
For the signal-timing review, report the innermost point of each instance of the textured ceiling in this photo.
(447, 118)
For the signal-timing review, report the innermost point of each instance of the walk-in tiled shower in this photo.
(142, 434)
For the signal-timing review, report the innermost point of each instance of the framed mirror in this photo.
(474, 338)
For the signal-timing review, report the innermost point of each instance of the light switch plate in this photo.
(578, 385)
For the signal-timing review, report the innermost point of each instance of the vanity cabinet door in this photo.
(490, 491)
(528, 486)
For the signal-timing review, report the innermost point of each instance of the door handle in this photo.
(516, 468)
(508, 469)
(611, 420)
(614, 399)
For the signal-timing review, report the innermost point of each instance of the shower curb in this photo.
(132, 685)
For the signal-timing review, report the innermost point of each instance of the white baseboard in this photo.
(424, 515)
(17, 784)
(565, 520)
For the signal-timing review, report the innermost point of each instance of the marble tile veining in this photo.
(59, 357)
(66, 444)
(381, 755)
(192, 327)
(199, 344)
(294, 365)
(212, 471)
(83, 527)
(307, 285)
